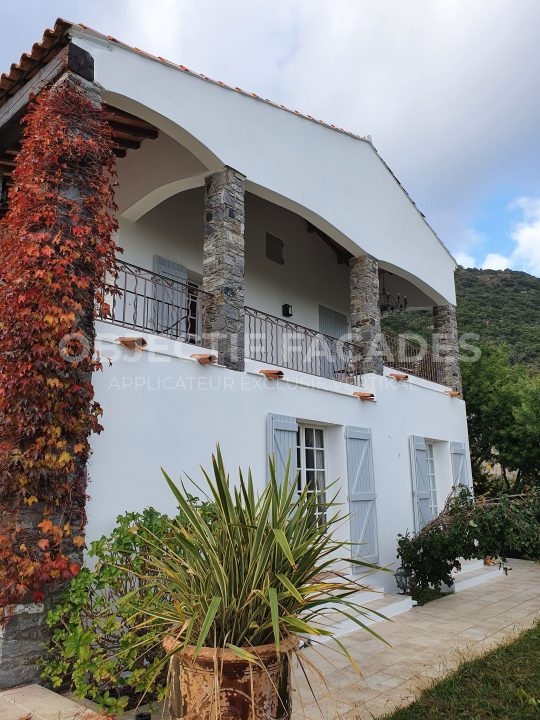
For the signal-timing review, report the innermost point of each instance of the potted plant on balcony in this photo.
(231, 595)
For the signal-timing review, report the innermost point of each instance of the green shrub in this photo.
(504, 527)
(95, 648)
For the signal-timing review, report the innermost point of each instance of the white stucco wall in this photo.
(173, 230)
(339, 182)
(309, 276)
(164, 410)
(157, 163)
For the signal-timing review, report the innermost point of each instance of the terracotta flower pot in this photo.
(218, 685)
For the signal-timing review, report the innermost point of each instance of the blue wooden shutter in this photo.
(460, 466)
(362, 495)
(336, 325)
(281, 443)
(423, 512)
(332, 322)
(171, 300)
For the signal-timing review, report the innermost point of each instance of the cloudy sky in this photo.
(448, 90)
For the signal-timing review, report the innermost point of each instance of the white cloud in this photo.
(464, 259)
(526, 235)
(494, 261)
(444, 88)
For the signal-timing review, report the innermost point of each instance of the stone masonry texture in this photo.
(24, 630)
(365, 312)
(446, 344)
(223, 265)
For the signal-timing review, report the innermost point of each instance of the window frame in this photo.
(432, 477)
(302, 448)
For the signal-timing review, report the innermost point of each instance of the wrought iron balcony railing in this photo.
(279, 342)
(153, 303)
(157, 304)
(414, 358)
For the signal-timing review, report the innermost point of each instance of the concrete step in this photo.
(377, 609)
(482, 574)
(468, 566)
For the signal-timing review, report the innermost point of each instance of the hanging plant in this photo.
(57, 250)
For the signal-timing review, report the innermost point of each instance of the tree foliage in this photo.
(502, 388)
(504, 422)
(56, 250)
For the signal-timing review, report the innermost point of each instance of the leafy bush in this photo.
(466, 529)
(95, 648)
(430, 556)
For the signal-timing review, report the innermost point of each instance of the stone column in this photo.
(365, 312)
(23, 628)
(223, 265)
(445, 344)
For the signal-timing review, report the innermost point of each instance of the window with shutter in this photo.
(362, 495)
(281, 443)
(311, 463)
(424, 481)
(460, 467)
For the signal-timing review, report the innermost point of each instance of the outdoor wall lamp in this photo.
(286, 310)
(402, 581)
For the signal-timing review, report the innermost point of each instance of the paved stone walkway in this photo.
(426, 643)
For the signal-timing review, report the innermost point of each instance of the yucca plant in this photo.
(262, 571)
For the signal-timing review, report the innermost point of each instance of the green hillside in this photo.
(501, 306)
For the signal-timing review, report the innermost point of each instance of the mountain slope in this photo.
(500, 306)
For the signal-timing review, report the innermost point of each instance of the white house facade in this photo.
(257, 239)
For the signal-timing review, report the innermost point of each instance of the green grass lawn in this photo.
(502, 685)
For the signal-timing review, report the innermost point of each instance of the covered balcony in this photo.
(154, 303)
(209, 253)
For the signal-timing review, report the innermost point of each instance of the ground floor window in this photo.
(425, 457)
(432, 482)
(311, 464)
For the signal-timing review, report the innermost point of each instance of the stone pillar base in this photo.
(21, 645)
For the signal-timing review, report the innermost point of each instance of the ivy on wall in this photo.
(56, 251)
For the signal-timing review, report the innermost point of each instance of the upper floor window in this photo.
(274, 248)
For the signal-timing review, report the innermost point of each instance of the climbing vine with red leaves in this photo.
(56, 251)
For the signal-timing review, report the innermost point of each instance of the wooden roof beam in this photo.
(70, 58)
(131, 132)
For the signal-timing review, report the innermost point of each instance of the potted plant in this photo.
(231, 592)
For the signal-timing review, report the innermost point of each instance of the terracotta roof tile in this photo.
(55, 38)
(52, 42)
